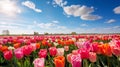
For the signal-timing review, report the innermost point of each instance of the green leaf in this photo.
(19, 64)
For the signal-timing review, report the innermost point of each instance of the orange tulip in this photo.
(62, 43)
(49, 44)
(4, 48)
(17, 45)
(67, 43)
(44, 43)
(15, 41)
(59, 61)
(107, 50)
(71, 41)
(37, 45)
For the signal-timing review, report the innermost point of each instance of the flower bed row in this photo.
(60, 51)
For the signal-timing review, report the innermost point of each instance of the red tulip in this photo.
(95, 47)
(53, 51)
(42, 53)
(27, 50)
(84, 53)
(8, 55)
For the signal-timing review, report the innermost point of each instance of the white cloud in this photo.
(84, 25)
(83, 12)
(117, 10)
(111, 21)
(51, 25)
(77, 10)
(116, 27)
(16, 28)
(31, 5)
(60, 3)
(55, 21)
(9, 8)
(12, 25)
(90, 17)
(7, 23)
(48, 2)
(8, 27)
(61, 27)
(46, 25)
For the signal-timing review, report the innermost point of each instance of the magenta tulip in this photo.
(42, 53)
(53, 51)
(95, 47)
(76, 60)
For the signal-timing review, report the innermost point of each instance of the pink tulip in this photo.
(27, 50)
(8, 55)
(0, 47)
(66, 48)
(79, 44)
(76, 60)
(87, 45)
(60, 51)
(42, 53)
(19, 53)
(92, 57)
(116, 50)
(69, 57)
(39, 62)
(53, 51)
(33, 46)
(75, 52)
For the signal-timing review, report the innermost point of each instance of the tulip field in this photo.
(100, 50)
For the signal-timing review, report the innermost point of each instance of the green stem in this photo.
(118, 61)
(21, 62)
(85, 63)
(108, 61)
(92, 64)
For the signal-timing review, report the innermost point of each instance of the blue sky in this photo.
(60, 16)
